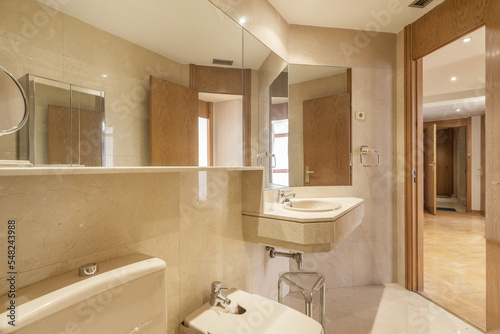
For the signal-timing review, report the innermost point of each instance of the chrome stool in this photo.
(307, 283)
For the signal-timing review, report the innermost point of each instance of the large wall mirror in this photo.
(204, 48)
(223, 99)
(319, 122)
(301, 119)
(267, 71)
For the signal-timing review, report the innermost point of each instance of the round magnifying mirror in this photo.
(13, 104)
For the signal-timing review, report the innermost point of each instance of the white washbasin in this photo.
(311, 205)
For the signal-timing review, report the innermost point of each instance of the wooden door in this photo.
(430, 169)
(483, 164)
(173, 124)
(444, 162)
(327, 140)
(78, 144)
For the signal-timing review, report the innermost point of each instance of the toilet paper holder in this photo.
(369, 156)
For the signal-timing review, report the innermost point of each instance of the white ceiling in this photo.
(187, 31)
(301, 73)
(216, 98)
(195, 31)
(379, 15)
(466, 62)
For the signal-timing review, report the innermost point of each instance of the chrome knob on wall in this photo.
(88, 269)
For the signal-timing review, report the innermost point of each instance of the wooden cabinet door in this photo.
(430, 169)
(173, 124)
(327, 140)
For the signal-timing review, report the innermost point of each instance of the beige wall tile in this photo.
(69, 214)
(20, 59)
(336, 266)
(252, 190)
(372, 263)
(401, 160)
(65, 221)
(30, 22)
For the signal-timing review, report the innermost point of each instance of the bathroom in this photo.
(192, 218)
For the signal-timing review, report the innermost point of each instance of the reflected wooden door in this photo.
(430, 169)
(78, 144)
(444, 162)
(173, 124)
(327, 140)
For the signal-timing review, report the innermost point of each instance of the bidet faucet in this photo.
(216, 296)
(284, 195)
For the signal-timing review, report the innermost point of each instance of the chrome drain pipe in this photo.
(298, 257)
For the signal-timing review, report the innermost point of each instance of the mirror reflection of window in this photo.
(280, 151)
(203, 142)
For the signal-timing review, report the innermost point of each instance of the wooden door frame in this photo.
(456, 123)
(443, 25)
(218, 80)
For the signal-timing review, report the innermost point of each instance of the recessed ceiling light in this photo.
(466, 39)
(243, 20)
(453, 79)
(458, 110)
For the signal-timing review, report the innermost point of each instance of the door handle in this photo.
(308, 172)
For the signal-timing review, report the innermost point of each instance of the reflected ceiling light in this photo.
(104, 75)
(453, 79)
(466, 39)
(458, 110)
(243, 20)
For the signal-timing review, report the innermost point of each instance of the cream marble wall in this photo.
(39, 40)
(368, 256)
(400, 198)
(8, 147)
(190, 219)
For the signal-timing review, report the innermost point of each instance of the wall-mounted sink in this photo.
(310, 225)
(311, 205)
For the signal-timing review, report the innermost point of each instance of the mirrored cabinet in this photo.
(66, 124)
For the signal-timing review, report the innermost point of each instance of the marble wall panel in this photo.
(190, 219)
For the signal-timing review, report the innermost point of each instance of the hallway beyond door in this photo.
(455, 264)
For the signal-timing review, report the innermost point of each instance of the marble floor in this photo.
(455, 264)
(451, 203)
(384, 309)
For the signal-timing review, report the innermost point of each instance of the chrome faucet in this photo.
(216, 296)
(284, 195)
